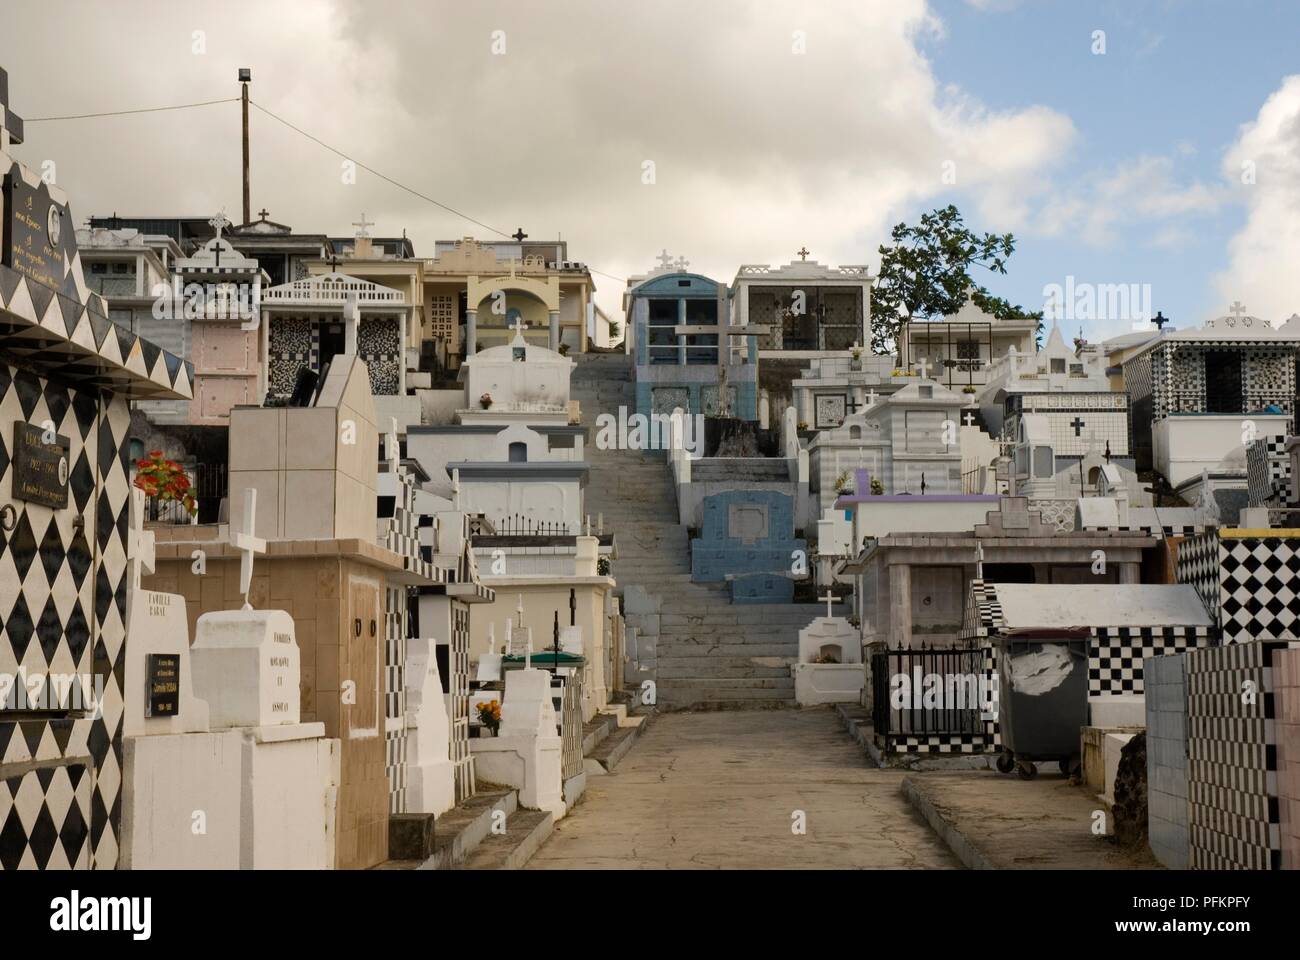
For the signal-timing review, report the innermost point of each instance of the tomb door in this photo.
(362, 655)
(1223, 382)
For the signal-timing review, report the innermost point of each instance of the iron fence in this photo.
(209, 485)
(924, 691)
(519, 525)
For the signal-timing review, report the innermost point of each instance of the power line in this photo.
(123, 113)
(398, 184)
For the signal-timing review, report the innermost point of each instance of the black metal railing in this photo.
(905, 703)
(518, 525)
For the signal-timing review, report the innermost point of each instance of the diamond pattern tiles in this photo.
(62, 592)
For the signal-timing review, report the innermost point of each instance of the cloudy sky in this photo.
(1170, 159)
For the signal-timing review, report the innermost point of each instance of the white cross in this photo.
(922, 366)
(248, 544)
(681, 264)
(139, 541)
(665, 260)
(829, 600)
(219, 223)
(362, 224)
(519, 326)
(1237, 310)
(871, 397)
(969, 418)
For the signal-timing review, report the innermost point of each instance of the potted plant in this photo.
(485, 401)
(165, 481)
(877, 488)
(489, 714)
(856, 362)
(969, 388)
(843, 484)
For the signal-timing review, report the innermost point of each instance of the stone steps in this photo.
(524, 835)
(461, 830)
(672, 667)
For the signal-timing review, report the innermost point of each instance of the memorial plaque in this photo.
(162, 685)
(35, 234)
(40, 468)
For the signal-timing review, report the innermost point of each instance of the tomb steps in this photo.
(525, 832)
(458, 832)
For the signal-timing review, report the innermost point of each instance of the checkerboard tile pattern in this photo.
(62, 610)
(1197, 564)
(1232, 787)
(1268, 472)
(1115, 654)
(1259, 588)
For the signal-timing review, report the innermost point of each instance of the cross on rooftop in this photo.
(219, 223)
(9, 121)
(519, 326)
(829, 600)
(682, 263)
(1237, 310)
(139, 541)
(247, 543)
(665, 259)
(334, 262)
(803, 253)
(361, 225)
(519, 234)
(1160, 320)
(264, 213)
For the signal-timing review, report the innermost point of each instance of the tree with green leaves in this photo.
(925, 274)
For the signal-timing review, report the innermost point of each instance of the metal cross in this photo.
(219, 223)
(263, 213)
(1160, 320)
(803, 253)
(519, 234)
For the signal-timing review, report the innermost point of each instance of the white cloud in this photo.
(1262, 257)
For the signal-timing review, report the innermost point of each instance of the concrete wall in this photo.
(1183, 446)
(1166, 719)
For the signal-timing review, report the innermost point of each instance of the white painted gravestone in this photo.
(430, 775)
(159, 696)
(830, 667)
(527, 752)
(246, 664)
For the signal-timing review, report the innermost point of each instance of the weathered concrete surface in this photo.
(998, 821)
(718, 790)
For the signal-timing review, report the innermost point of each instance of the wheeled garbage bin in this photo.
(1042, 698)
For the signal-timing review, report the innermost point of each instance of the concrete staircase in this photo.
(702, 651)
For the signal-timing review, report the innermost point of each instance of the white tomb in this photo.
(526, 753)
(246, 663)
(430, 775)
(830, 667)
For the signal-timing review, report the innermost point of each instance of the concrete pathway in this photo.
(720, 790)
(999, 822)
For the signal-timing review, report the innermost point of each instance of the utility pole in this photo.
(245, 76)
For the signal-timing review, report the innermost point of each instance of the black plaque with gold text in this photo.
(163, 684)
(40, 466)
(36, 233)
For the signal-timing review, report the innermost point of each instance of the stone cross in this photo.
(139, 541)
(1237, 310)
(665, 260)
(219, 223)
(969, 419)
(871, 397)
(681, 264)
(361, 226)
(248, 543)
(829, 600)
(455, 488)
(519, 326)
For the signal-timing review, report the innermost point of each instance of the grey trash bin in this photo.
(1042, 698)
